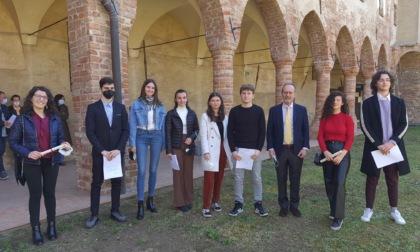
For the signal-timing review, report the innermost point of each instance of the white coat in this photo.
(211, 140)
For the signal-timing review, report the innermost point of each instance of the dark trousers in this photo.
(97, 180)
(335, 180)
(213, 181)
(288, 164)
(391, 178)
(183, 179)
(2, 150)
(41, 180)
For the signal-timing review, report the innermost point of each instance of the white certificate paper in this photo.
(246, 162)
(393, 157)
(11, 120)
(174, 163)
(112, 168)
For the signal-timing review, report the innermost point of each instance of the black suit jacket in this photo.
(370, 118)
(100, 134)
(275, 130)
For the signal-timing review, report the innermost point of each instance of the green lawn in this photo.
(170, 230)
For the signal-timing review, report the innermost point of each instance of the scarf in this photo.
(151, 105)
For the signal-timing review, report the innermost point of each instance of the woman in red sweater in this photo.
(336, 133)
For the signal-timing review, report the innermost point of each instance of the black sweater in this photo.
(246, 128)
(173, 129)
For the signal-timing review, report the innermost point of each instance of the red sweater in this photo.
(338, 127)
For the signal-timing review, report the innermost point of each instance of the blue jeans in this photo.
(2, 150)
(144, 140)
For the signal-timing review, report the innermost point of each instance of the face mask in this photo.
(60, 102)
(4, 101)
(16, 103)
(108, 93)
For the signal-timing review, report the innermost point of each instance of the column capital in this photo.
(324, 66)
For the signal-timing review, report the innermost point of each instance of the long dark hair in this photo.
(327, 110)
(179, 91)
(49, 109)
(143, 92)
(221, 112)
(375, 79)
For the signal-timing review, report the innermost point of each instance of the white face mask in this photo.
(4, 101)
(16, 103)
(60, 102)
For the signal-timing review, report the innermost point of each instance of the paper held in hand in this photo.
(393, 157)
(335, 154)
(112, 168)
(246, 161)
(174, 163)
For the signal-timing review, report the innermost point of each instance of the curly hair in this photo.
(210, 112)
(375, 79)
(327, 110)
(49, 109)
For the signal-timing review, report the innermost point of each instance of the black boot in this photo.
(37, 236)
(140, 210)
(150, 205)
(51, 231)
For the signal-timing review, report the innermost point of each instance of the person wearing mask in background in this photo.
(215, 149)
(336, 133)
(38, 129)
(181, 131)
(14, 108)
(147, 125)
(4, 124)
(288, 142)
(384, 122)
(63, 112)
(107, 129)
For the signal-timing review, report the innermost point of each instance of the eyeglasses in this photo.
(40, 97)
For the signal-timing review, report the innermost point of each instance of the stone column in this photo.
(283, 76)
(323, 77)
(350, 93)
(90, 60)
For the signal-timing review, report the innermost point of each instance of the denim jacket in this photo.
(23, 129)
(138, 117)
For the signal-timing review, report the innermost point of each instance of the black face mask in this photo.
(108, 93)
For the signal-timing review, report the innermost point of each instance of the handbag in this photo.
(318, 157)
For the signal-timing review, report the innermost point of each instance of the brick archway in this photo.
(367, 65)
(382, 59)
(409, 84)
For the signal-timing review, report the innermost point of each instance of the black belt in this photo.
(288, 146)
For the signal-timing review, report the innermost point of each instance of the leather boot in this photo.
(37, 236)
(51, 231)
(140, 210)
(150, 205)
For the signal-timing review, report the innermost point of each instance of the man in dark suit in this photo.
(384, 122)
(288, 143)
(4, 116)
(107, 129)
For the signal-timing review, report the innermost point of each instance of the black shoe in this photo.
(295, 212)
(283, 212)
(183, 209)
(150, 205)
(62, 164)
(3, 175)
(37, 236)
(259, 209)
(117, 216)
(236, 209)
(91, 222)
(189, 207)
(336, 225)
(51, 231)
(140, 210)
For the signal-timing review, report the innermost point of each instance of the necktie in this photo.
(108, 111)
(288, 128)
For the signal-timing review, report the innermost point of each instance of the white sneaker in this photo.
(206, 213)
(367, 214)
(396, 215)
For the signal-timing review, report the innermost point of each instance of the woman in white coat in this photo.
(216, 152)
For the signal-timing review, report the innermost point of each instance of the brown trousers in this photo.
(391, 178)
(213, 181)
(183, 179)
